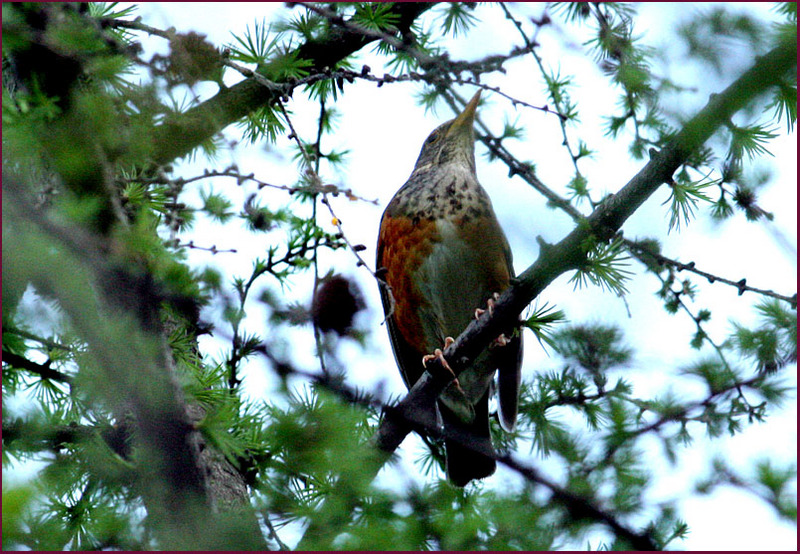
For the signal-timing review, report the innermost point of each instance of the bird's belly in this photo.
(451, 278)
(440, 270)
(456, 277)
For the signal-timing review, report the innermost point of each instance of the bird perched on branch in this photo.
(444, 255)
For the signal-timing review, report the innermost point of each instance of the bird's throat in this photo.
(451, 193)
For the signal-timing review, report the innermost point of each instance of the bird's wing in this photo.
(509, 364)
(509, 372)
(488, 240)
(396, 251)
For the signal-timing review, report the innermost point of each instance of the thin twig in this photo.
(47, 342)
(639, 251)
(42, 370)
(578, 506)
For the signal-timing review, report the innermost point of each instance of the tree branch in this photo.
(570, 253)
(580, 507)
(42, 370)
(180, 134)
(135, 373)
(318, 535)
(642, 253)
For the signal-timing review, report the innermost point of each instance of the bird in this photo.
(442, 255)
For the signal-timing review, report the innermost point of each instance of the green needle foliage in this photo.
(161, 391)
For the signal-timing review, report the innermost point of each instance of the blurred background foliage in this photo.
(142, 440)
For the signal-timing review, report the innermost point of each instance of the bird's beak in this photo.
(465, 119)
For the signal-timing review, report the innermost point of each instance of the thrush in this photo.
(444, 255)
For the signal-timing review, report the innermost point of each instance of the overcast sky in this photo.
(384, 128)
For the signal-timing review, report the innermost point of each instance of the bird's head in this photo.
(452, 142)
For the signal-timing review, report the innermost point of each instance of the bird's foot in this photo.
(489, 306)
(502, 340)
(439, 355)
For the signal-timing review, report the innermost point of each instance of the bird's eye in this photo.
(433, 137)
(438, 133)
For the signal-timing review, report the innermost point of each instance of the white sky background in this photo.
(375, 122)
(384, 128)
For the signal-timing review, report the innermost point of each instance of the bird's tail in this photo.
(468, 447)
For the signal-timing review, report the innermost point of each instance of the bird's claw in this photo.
(489, 306)
(439, 354)
(502, 340)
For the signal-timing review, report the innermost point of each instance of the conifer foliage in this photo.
(127, 364)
